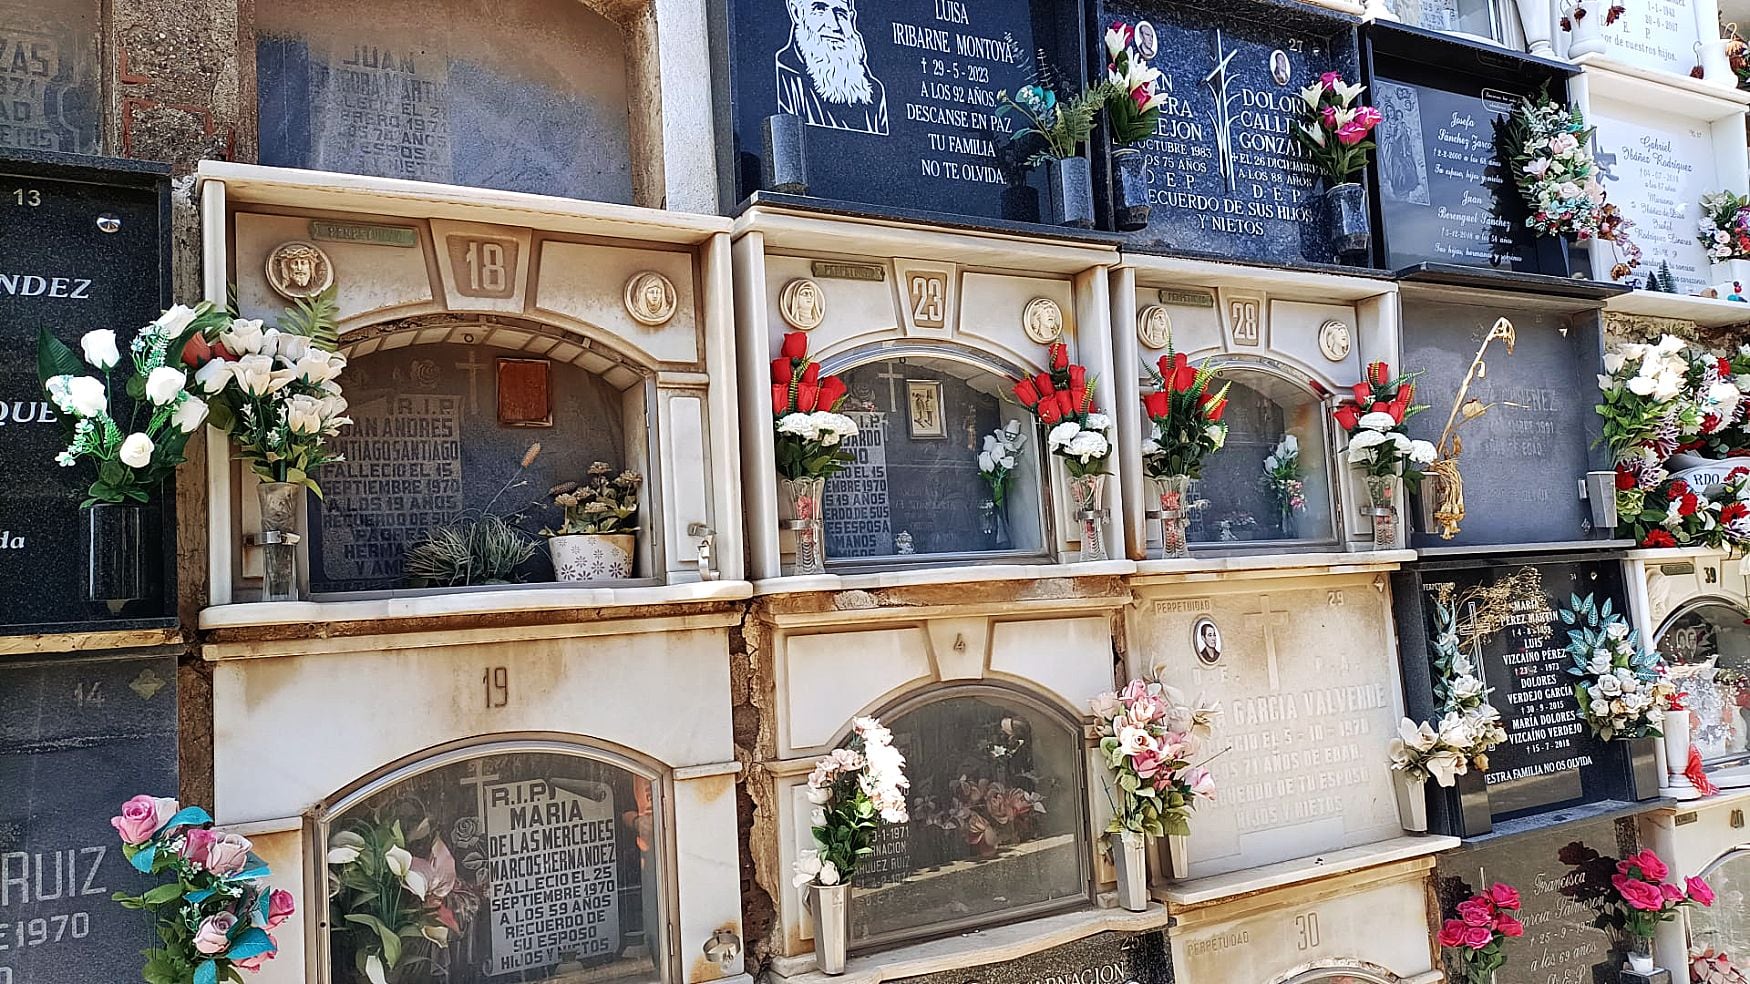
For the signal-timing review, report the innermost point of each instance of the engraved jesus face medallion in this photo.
(298, 270)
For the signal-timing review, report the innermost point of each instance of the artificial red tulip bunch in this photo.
(809, 431)
(1374, 420)
(1063, 400)
(1186, 415)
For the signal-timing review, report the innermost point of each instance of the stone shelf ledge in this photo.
(1708, 312)
(1658, 555)
(1623, 80)
(443, 605)
(1271, 565)
(986, 946)
(1216, 888)
(970, 574)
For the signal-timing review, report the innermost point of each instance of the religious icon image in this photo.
(923, 400)
(298, 269)
(802, 304)
(1280, 68)
(1206, 641)
(650, 298)
(1402, 162)
(1334, 340)
(823, 72)
(1043, 320)
(1154, 327)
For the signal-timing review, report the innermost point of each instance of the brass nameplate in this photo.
(364, 233)
(874, 272)
(1188, 298)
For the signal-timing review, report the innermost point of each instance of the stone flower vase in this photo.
(1346, 211)
(1537, 18)
(1412, 801)
(1586, 27)
(592, 556)
(830, 908)
(1130, 859)
(1172, 491)
(114, 535)
(1088, 494)
(1675, 744)
(804, 498)
(1132, 207)
(1071, 184)
(280, 502)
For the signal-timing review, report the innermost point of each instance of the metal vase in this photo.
(1088, 494)
(1072, 192)
(115, 553)
(1412, 801)
(1346, 209)
(804, 497)
(1382, 509)
(830, 908)
(1131, 211)
(1130, 859)
(1171, 491)
(280, 504)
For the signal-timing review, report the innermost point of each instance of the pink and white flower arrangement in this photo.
(217, 916)
(1150, 735)
(394, 892)
(1713, 967)
(1724, 230)
(1546, 150)
(1335, 128)
(1475, 938)
(1641, 898)
(855, 791)
(1134, 96)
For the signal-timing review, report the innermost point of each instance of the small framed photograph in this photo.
(923, 407)
(1206, 640)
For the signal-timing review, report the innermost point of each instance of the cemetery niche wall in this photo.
(1694, 614)
(87, 247)
(1223, 175)
(909, 88)
(1443, 197)
(929, 329)
(1506, 615)
(487, 365)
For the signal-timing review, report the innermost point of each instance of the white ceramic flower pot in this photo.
(1716, 64)
(1537, 18)
(592, 556)
(1641, 961)
(1586, 30)
(1729, 273)
(1412, 801)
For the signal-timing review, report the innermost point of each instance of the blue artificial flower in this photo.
(1036, 99)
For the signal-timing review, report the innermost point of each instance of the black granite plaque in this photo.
(1442, 192)
(78, 737)
(50, 98)
(1508, 618)
(60, 269)
(1562, 871)
(1226, 176)
(1522, 461)
(1105, 958)
(898, 99)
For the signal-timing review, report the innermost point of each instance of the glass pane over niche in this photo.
(427, 453)
(521, 95)
(1725, 926)
(996, 820)
(534, 866)
(1708, 649)
(1250, 490)
(1477, 18)
(50, 97)
(916, 486)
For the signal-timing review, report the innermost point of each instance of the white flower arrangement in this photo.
(1000, 456)
(1469, 726)
(1085, 442)
(823, 427)
(1622, 688)
(854, 791)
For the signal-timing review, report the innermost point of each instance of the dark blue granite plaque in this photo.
(59, 268)
(1225, 174)
(78, 737)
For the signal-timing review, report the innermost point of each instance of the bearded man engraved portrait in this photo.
(298, 269)
(823, 73)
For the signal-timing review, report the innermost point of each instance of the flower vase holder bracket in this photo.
(806, 499)
(278, 540)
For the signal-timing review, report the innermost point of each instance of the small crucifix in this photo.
(1265, 618)
(893, 376)
(473, 367)
(478, 778)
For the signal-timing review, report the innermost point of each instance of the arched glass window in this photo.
(916, 487)
(516, 861)
(1725, 926)
(997, 828)
(519, 95)
(1247, 493)
(1707, 645)
(455, 446)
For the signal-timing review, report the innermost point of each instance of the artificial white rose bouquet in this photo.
(999, 458)
(136, 444)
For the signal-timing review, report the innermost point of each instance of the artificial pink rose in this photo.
(1700, 892)
(1147, 761)
(214, 935)
(196, 843)
(1477, 937)
(253, 964)
(1504, 896)
(1638, 894)
(228, 854)
(1652, 869)
(280, 906)
(1477, 912)
(1352, 133)
(1671, 892)
(1508, 926)
(1452, 932)
(1201, 782)
(142, 816)
(1368, 117)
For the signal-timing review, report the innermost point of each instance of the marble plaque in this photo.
(1658, 35)
(1656, 166)
(50, 96)
(905, 89)
(59, 269)
(78, 737)
(1301, 677)
(1225, 173)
